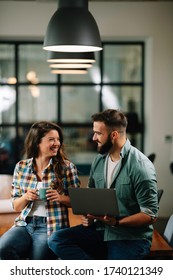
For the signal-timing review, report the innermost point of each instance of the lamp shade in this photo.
(69, 71)
(72, 28)
(61, 57)
(70, 65)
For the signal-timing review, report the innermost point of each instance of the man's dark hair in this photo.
(112, 118)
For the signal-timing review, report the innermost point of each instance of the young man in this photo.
(124, 168)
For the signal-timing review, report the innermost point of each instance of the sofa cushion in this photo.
(5, 186)
(6, 206)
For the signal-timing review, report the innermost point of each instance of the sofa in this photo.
(7, 213)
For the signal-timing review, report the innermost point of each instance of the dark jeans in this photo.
(27, 241)
(85, 243)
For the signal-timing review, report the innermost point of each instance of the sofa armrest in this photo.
(6, 206)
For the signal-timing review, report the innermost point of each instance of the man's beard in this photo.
(105, 148)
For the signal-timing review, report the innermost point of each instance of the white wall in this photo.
(149, 21)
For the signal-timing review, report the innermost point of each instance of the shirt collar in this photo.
(125, 149)
(31, 163)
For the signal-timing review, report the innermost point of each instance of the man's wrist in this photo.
(116, 223)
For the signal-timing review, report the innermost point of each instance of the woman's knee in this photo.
(14, 243)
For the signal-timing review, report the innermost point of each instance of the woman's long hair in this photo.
(37, 131)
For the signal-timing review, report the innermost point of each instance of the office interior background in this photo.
(134, 72)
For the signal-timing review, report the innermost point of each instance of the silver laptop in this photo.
(98, 202)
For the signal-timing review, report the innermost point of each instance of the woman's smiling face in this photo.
(50, 144)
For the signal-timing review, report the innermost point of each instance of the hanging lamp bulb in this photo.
(72, 28)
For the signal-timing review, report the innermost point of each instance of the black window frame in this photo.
(59, 83)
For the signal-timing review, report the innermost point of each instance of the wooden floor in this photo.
(160, 249)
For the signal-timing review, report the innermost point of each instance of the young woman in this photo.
(46, 166)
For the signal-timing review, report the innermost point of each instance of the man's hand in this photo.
(87, 221)
(111, 221)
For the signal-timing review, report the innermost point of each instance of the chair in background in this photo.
(168, 233)
(159, 194)
(152, 157)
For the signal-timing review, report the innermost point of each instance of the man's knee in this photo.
(54, 238)
(57, 240)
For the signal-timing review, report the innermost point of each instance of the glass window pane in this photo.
(79, 145)
(128, 99)
(7, 69)
(39, 92)
(122, 63)
(7, 156)
(93, 75)
(78, 103)
(33, 66)
(37, 103)
(136, 140)
(7, 104)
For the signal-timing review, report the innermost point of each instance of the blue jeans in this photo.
(27, 241)
(85, 243)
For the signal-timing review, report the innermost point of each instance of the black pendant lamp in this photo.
(69, 71)
(61, 57)
(70, 65)
(72, 28)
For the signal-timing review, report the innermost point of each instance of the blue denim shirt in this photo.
(136, 187)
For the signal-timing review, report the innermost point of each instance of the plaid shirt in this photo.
(25, 177)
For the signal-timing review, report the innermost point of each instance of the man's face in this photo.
(102, 137)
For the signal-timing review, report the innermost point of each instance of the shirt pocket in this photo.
(126, 198)
(124, 189)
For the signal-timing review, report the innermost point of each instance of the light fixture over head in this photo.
(70, 65)
(69, 71)
(61, 57)
(72, 28)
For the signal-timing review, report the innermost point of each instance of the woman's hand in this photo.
(20, 203)
(53, 195)
(31, 195)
